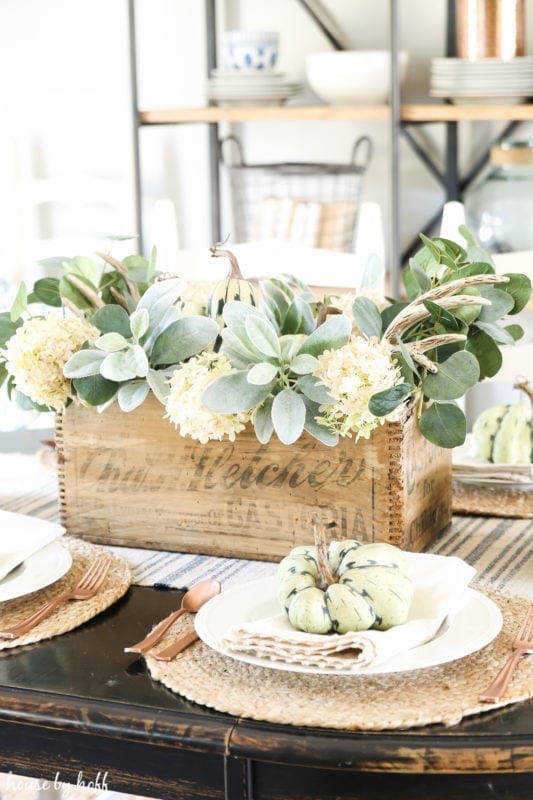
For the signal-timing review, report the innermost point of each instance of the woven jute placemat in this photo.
(72, 614)
(493, 501)
(443, 694)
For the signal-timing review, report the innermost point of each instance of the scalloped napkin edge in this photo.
(439, 582)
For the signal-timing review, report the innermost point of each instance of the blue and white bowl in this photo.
(250, 51)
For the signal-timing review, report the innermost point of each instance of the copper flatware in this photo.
(178, 646)
(522, 645)
(88, 585)
(191, 602)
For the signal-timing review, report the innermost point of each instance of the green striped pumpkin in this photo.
(368, 587)
(503, 434)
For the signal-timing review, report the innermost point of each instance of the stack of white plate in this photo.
(489, 80)
(246, 88)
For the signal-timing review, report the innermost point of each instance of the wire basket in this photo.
(315, 205)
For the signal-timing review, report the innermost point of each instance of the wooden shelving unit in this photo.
(416, 112)
(399, 115)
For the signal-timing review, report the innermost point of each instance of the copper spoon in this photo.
(191, 602)
(170, 652)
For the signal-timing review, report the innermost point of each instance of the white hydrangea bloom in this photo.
(352, 374)
(36, 354)
(184, 404)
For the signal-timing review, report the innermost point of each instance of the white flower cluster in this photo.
(184, 403)
(352, 374)
(36, 354)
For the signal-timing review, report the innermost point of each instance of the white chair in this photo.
(318, 267)
(56, 215)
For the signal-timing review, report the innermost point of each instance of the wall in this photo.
(64, 83)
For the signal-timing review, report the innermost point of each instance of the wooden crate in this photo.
(131, 479)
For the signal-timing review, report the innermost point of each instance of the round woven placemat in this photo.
(69, 615)
(443, 694)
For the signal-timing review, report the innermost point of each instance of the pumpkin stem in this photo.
(525, 386)
(325, 574)
(323, 311)
(217, 252)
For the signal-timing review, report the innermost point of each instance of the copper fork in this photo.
(87, 587)
(522, 645)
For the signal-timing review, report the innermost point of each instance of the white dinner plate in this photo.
(474, 622)
(39, 570)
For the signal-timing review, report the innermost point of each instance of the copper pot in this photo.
(489, 28)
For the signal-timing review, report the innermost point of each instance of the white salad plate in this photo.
(39, 570)
(474, 622)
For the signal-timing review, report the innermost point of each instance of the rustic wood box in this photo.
(131, 479)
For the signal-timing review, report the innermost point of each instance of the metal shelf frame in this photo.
(402, 122)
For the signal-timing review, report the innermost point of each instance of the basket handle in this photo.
(237, 142)
(363, 143)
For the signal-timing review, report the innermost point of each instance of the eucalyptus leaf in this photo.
(288, 416)
(262, 373)
(442, 315)
(422, 279)
(263, 425)
(84, 363)
(386, 401)
(454, 377)
(132, 395)
(333, 334)
(183, 338)
(516, 331)
(20, 303)
(501, 303)
(443, 424)
(487, 352)
(8, 327)
(70, 292)
(367, 317)
(519, 287)
(232, 393)
(113, 318)
(46, 290)
(85, 268)
(263, 336)
(95, 390)
(500, 335)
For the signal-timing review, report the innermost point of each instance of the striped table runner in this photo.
(501, 549)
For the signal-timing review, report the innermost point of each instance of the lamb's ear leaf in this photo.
(232, 393)
(288, 415)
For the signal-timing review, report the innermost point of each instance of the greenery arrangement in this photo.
(224, 356)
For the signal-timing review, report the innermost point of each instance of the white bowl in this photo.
(249, 51)
(352, 77)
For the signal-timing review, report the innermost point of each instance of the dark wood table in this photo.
(79, 704)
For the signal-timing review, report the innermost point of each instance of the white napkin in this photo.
(21, 536)
(438, 581)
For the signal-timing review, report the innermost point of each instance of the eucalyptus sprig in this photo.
(447, 337)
